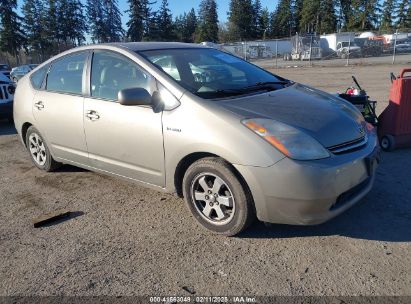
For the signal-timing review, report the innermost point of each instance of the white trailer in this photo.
(340, 44)
(329, 42)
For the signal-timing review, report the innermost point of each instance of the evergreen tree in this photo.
(152, 29)
(310, 16)
(95, 17)
(112, 20)
(179, 26)
(402, 13)
(104, 19)
(34, 27)
(165, 22)
(208, 21)
(191, 25)
(388, 10)
(185, 26)
(12, 38)
(282, 20)
(364, 16)
(345, 13)
(328, 18)
(407, 23)
(138, 19)
(52, 28)
(258, 29)
(297, 14)
(241, 16)
(76, 22)
(265, 22)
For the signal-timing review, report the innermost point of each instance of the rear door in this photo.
(124, 140)
(58, 108)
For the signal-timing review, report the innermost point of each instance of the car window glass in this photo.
(65, 75)
(168, 65)
(38, 76)
(111, 73)
(210, 73)
(206, 69)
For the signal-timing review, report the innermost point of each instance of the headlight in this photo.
(292, 142)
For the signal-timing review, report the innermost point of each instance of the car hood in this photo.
(327, 118)
(3, 78)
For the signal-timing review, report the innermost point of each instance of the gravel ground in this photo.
(127, 240)
(386, 59)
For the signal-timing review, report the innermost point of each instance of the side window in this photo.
(38, 76)
(111, 72)
(168, 65)
(66, 74)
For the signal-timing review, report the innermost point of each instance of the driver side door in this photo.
(122, 140)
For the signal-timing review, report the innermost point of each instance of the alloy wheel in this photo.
(213, 198)
(37, 149)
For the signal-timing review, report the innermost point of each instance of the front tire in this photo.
(39, 152)
(218, 199)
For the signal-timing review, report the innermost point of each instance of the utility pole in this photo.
(395, 45)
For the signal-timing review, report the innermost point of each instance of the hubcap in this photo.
(384, 143)
(37, 149)
(213, 198)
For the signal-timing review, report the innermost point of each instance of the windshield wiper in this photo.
(271, 82)
(266, 85)
(263, 85)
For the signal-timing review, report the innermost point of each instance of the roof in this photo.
(145, 46)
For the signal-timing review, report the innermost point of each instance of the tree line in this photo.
(46, 27)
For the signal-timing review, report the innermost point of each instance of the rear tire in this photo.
(39, 151)
(387, 143)
(218, 199)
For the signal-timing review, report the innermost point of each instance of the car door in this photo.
(58, 108)
(124, 140)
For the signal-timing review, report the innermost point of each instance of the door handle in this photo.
(92, 115)
(39, 105)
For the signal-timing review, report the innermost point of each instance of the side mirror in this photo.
(134, 97)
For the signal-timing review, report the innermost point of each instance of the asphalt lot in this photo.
(127, 240)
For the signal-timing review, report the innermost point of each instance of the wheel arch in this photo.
(189, 159)
(24, 129)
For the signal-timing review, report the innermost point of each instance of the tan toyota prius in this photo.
(235, 140)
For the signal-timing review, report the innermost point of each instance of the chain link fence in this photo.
(337, 49)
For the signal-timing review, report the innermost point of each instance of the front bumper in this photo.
(6, 109)
(312, 192)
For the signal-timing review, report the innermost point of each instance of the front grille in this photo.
(349, 146)
(347, 196)
(3, 92)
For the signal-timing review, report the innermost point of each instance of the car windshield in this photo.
(4, 67)
(210, 73)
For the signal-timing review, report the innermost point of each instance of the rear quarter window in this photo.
(38, 76)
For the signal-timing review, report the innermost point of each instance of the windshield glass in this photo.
(210, 73)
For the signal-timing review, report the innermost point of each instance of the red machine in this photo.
(394, 124)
